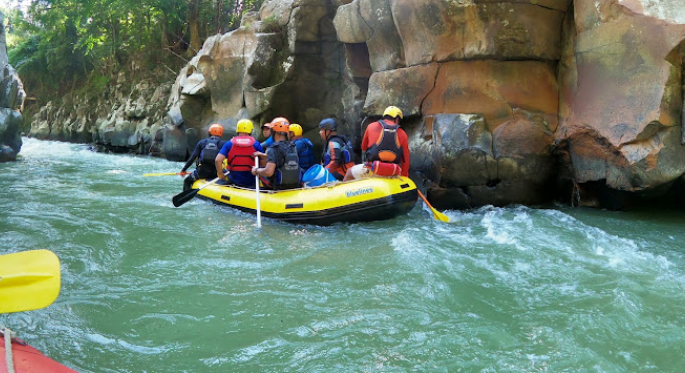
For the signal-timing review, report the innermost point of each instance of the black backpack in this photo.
(210, 151)
(290, 170)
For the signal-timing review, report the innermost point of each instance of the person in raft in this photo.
(268, 135)
(386, 147)
(338, 155)
(280, 166)
(239, 153)
(205, 152)
(305, 148)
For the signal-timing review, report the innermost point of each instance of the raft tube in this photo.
(29, 360)
(376, 198)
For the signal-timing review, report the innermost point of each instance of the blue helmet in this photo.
(329, 124)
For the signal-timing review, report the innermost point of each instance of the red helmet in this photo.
(280, 124)
(216, 130)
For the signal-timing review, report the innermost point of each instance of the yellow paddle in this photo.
(436, 214)
(168, 174)
(29, 280)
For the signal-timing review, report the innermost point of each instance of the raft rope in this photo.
(8, 348)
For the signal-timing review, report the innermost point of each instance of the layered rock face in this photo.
(12, 97)
(477, 83)
(284, 61)
(121, 118)
(622, 99)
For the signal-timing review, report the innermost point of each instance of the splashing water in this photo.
(147, 287)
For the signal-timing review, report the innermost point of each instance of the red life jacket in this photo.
(240, 157)
(387, 147)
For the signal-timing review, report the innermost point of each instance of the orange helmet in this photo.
(216, 130)
(280, 124)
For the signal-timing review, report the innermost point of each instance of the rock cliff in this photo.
(505, 101)
(11, 103)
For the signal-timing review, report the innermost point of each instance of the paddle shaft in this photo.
(437, 215)
(189, 194)
(256, 179)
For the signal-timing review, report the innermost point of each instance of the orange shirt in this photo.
(373, 132)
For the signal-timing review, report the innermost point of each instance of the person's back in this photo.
(386, 142)
(305, 148)
(338, 155)
(239, 155)
(281, 168)
(203, 155)
(386, 147)
(288, 174)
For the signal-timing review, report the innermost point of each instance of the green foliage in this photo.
(58, 45)
(270, 24)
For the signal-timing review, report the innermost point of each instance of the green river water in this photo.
(147, 287)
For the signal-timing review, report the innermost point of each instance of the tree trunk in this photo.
(194, 26)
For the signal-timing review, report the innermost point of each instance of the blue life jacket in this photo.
(305, 151)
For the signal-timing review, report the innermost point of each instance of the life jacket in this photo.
(305, 152)
(287, 173)
(387, 147)
(240, 156)
(345, 147)
(209, 152)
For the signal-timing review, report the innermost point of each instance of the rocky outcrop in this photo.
(477, 83)
(285, 61)
(12, 97)
(505, 101)
(622, 106)
(124, 117)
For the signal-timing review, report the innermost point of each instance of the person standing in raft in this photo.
(205, 152)
(268, 135)
(305, 148)
(240, 155)
(386, 146)
(280, 166)
(338, 155)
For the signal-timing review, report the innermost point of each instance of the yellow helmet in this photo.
(216, 130)
(393, 112)
(244, 126)
(296, 129)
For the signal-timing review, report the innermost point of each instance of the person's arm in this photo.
(193, 157)
(219, 163)
(266, 171)
(404, 140)
(337, 158)
(219, 160)
(365, 140)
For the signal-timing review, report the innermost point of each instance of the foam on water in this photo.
(150, 287)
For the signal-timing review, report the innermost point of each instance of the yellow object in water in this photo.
(375, 198)
(29, 280)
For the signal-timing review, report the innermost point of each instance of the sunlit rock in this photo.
(623, 94)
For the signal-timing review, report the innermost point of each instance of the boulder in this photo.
(405, 88)
(622, 94)
(439, 30)
(494, 89)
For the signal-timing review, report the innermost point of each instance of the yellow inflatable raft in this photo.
(376, 198)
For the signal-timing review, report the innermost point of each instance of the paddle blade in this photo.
(440, 216)
(29, 280)
(184, 197)
(437, 215)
